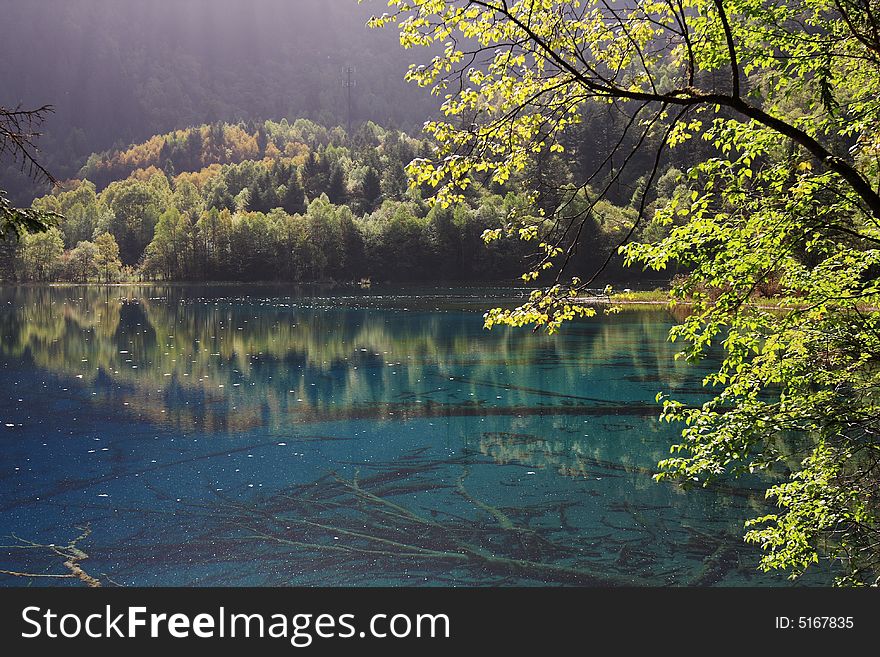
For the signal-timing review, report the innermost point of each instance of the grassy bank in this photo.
(646, 297)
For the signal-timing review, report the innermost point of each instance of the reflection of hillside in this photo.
(225, 364)
(569, 457)
(636, 345)
(599, 459)
(58, 328)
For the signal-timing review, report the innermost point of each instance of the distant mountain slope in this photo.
(119, 71)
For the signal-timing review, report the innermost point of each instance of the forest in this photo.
(297, 202)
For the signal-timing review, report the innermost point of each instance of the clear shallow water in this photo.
(243, 436)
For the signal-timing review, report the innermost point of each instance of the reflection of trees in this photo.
(230, 364)
(592, 458)
(569, 457)
(59, 327)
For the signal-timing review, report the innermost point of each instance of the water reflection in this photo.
(212, 436)
(230, 364)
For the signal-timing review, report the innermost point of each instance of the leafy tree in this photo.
(135, 207)
(107, 259)
(83, 214)
(397, 242)
(785, 95)
(82, 263)
(446, 237)
(166, 252)
(251, 248)
(39, 254)
(214, 229)
(322, 239)
(187, 199)
(353, 264)
(242, 200)
(196, 236)
(293, 251)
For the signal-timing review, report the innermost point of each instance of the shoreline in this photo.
(611, 301)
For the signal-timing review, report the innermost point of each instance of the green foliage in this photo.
(81, 263)
(371, 189)
(18, 221)
(135, 207)
(84, 212)
(293, 200)
(107, 259)
(39, 255)
(776, 224)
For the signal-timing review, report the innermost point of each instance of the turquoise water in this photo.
(245, 436)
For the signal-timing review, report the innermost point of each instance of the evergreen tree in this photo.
(371, 189)
(263, 195)
(220, 198)
(336, 189)
(394, 180)
(315, 175)
(262, 140)
(294, 199)
(193, 157)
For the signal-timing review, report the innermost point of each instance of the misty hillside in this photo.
(118, 72)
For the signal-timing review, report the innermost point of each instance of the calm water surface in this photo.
(243, 436)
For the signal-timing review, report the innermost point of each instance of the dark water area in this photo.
(270, 436)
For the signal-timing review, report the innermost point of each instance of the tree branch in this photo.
(731, 47)
(693, 97)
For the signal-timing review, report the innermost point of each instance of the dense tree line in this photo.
(294, 202)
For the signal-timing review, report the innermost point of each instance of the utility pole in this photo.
(349, 82)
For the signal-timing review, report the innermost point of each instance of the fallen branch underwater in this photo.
(71, 554)
(362, 526)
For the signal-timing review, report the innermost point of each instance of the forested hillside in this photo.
(297, 202)
(238, 197)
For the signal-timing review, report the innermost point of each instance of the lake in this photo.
(203, 436)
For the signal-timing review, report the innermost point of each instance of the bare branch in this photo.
(18, 134)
